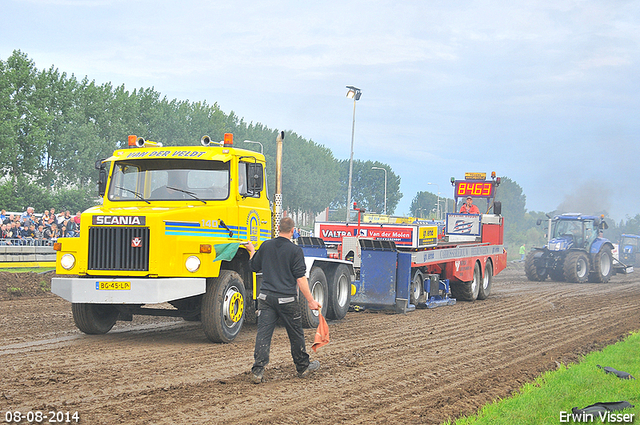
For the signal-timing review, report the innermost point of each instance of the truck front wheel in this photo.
(94, 319)
(222, 309)
(576, 267)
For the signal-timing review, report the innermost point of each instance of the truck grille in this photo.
(119, 248)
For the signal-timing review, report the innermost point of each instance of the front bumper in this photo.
(142, 291)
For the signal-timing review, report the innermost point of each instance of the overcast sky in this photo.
(546, 92)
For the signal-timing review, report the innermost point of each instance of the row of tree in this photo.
(53, 127)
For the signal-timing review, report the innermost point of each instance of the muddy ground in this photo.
(423, 367)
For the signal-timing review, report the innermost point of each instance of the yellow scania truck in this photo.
(170, 230)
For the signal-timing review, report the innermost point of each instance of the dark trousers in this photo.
(270, 309)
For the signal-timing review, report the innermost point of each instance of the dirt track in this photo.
(422, 367)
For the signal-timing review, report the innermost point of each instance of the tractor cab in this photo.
(574, 231)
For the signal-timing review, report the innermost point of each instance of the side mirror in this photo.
(102, 177)
(255, 180)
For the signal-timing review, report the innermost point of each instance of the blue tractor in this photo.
(575, 252)
(628, 251)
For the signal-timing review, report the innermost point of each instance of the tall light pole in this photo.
(385, 186)
(438, 210)
(353, 93)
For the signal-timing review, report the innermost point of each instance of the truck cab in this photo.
(169, 229)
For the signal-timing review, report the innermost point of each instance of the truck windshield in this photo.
(169, 180)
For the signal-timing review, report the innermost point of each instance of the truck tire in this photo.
(339, 293)
(534, 271)
(487, 279)
(468, 291)
(94, 319)
(319, 290)
(222, 309)
(602, 266)
(416, 290)
(576, 267)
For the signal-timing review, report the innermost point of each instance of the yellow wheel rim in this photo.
(236, 305)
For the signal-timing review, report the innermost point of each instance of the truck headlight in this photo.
(192, 264)
(68, 261)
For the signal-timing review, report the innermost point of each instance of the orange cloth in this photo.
(322, 334)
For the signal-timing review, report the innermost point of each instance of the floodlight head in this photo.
(354, 92)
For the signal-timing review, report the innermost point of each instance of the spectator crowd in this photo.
(28, 228)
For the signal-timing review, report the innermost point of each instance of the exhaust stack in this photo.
(278, 195)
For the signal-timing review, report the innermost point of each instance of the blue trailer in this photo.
(383, 276)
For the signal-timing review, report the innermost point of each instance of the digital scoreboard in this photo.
(474, 188)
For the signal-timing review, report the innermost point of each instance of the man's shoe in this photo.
(256, 378)
(313, 366)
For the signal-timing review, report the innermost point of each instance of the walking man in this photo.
(283, 272)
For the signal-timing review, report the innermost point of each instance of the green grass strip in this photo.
(576, 385)
(28, 269)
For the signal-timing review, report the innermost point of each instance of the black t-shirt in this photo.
(282, 263)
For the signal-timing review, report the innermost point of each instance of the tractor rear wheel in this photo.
(602, 265)
(468, 291)
(576, 267)
(532, 267)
